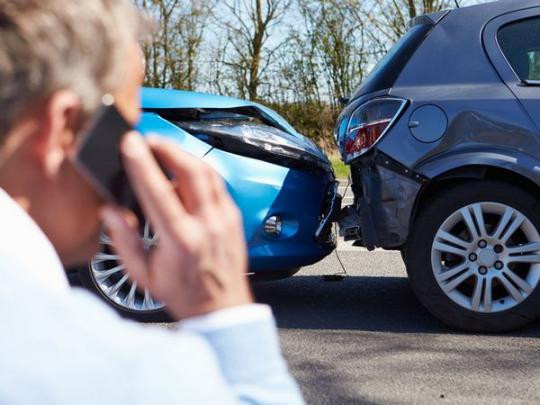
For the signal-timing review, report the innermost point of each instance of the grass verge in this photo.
(340, 169)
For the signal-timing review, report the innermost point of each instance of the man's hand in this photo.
(199, 264)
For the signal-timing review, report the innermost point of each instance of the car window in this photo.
(386, 72)
(520, 43)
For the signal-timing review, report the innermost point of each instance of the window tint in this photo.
(520, 43)
(386, 72)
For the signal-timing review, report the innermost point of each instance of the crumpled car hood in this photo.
(153, 98)
(177, 106)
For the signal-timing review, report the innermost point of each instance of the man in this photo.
(58, 58)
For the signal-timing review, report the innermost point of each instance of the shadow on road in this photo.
(385, 304)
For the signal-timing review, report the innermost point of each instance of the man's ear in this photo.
(57, 123)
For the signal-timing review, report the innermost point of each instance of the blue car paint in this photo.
(260, 189)
(165, 98)
(162, 98)
(153, 123)
(263, 189)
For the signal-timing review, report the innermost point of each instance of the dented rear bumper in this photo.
(385, 192)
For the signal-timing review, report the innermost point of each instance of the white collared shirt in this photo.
(63, 346)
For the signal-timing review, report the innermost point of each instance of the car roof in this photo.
(495, 8)
(453, 53)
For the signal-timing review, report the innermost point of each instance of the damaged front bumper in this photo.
(330, 214)
(384, 195)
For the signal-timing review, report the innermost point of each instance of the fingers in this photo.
(127, 243)
(197, 184)
(154, 191)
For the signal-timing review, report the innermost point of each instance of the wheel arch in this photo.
(424, 267)
(505, 170)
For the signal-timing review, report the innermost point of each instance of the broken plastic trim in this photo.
(381, 215)
(246, 132)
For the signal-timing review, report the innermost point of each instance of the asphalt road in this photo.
(366, 339)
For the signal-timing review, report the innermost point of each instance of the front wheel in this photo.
(106, 277)
(473, 257)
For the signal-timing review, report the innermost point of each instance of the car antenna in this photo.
(457, 3)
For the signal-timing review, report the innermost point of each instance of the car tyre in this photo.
(88, 282)
(105, 276)
(426, 256)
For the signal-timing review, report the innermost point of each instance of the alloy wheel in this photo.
(486, 257)
(112, 280)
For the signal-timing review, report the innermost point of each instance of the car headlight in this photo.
(259, 141)
(367, 125)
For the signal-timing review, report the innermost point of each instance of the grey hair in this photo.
(49, 45)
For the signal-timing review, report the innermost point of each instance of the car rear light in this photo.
(367, 124)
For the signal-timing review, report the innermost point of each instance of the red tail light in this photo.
(367, 124)
(362, 138)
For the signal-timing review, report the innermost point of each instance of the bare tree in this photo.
(249, 27)
(340, 42)
(391, 17)
(172, 55)
(298, 75)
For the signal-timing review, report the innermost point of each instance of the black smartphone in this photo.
(98, 156)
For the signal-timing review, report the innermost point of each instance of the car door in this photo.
(512, 42)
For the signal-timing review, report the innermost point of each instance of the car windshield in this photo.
(386, 72)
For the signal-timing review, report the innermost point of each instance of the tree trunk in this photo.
(412, 8)
(257, 42)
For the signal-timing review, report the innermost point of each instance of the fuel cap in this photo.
(428, 123)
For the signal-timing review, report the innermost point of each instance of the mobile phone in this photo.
(98, 157)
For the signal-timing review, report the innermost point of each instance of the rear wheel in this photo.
(105, 275)
(473, 257)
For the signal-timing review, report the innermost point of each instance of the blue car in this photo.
(282, 182)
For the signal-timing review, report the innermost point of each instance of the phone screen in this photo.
(98, 156)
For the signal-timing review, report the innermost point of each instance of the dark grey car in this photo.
(444, 145)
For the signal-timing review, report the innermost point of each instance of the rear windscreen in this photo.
(386, 72)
